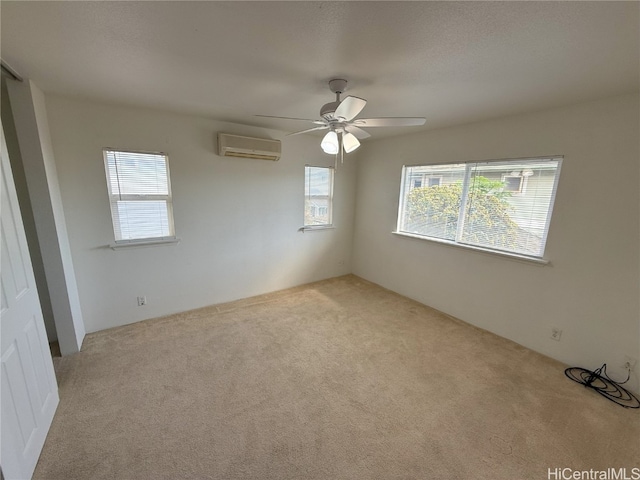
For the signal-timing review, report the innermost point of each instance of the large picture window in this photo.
(318, 196)
(140, 195)
(500, 205)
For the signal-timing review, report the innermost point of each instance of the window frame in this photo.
(465, 192)
(114, 197)
(322, 226)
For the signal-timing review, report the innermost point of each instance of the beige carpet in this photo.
(339, 379)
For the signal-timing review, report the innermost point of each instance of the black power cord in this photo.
(601, 383)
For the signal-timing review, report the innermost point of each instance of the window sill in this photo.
(150, 242)
(510, 256)
(318, 227)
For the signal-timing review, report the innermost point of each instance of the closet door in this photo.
(28, 388)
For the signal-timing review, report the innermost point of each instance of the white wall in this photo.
(590, 289)
(237, 219)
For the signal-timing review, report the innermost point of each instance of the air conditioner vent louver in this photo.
(248, 147)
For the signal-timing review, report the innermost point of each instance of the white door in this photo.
(28, 392)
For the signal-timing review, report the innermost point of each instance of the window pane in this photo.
(433, 209)
(133, 173)
(143, 219)
(508, 205)
(318, 196)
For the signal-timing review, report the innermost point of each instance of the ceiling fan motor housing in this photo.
(337, 86)
(328, 109)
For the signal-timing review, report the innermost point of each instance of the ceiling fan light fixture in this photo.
(350, 142)
(339, 117)
(330, 143)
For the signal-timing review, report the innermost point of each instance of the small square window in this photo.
(512, 184)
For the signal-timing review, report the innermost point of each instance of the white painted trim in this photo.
(147, 242)
(310, 228)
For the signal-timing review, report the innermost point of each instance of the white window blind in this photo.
(500, 205)
(318, 196)
(140, 195)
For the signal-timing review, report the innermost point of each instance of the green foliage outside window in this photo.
(435, 211)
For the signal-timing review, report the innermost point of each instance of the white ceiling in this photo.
(451, 62)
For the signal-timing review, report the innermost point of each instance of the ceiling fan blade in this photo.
(357, 132)
(349, 108)
(324, 127)
(390, 122)
(317, 122)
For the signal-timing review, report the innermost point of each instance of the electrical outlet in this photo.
(556, 333)
(142, 301)
(629, 362)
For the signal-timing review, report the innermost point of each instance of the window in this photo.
(140, 195)
(419, 179)
(434, 181)
(501, 205)
(318, 196)
(513, 183)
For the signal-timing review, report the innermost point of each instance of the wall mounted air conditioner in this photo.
(248, 147)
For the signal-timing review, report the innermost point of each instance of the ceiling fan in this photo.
(345, 130)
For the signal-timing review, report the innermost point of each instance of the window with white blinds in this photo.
(501, 205)
(318, 196)
(140, 195)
